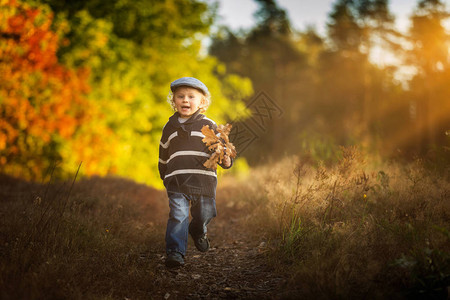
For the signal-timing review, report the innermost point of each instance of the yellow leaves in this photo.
(220, 145)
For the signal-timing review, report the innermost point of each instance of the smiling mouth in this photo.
(185, 107)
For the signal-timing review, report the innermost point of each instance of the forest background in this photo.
(87, 81)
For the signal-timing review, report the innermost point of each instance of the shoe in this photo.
(174, 260)
(201, 243)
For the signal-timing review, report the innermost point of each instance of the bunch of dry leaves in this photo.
(219, 144)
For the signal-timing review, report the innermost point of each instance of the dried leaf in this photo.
(210, 137)
(211, 163)
(220, 146)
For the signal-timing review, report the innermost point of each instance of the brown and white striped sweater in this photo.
(182, 154)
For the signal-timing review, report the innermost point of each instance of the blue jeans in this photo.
(203, 209)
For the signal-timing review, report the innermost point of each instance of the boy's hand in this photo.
(226, 161)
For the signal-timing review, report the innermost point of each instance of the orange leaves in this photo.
(42, 101)
(7, 134)
(16, 23)
(219, 144)
(29, 41)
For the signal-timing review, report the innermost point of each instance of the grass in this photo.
(355, 229)
(97, 240)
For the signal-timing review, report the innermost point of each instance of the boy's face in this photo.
(187, 101)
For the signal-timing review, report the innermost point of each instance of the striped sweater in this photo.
(182, 154)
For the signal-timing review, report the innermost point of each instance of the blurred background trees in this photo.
(88, 81)
(331, 89)
(117, 59)
(429, 92)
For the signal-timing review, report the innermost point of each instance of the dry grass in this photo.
(99, 243)
(354, 230)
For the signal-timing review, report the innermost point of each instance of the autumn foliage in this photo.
(81, 82)
(219, 144)
(42, 102)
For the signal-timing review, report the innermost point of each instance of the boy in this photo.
(181, 157)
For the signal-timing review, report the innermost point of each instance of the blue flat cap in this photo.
(191, 82)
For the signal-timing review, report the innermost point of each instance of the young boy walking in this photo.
(181, 157)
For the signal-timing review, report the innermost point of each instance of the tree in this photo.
(43, 103)
(330, 88)
(109, 68)
(429, 92)
(355, 27)
(133, 62)
(270, 56)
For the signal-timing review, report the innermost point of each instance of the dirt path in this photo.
(233, 268)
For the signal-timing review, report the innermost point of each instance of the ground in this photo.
(234, 268)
